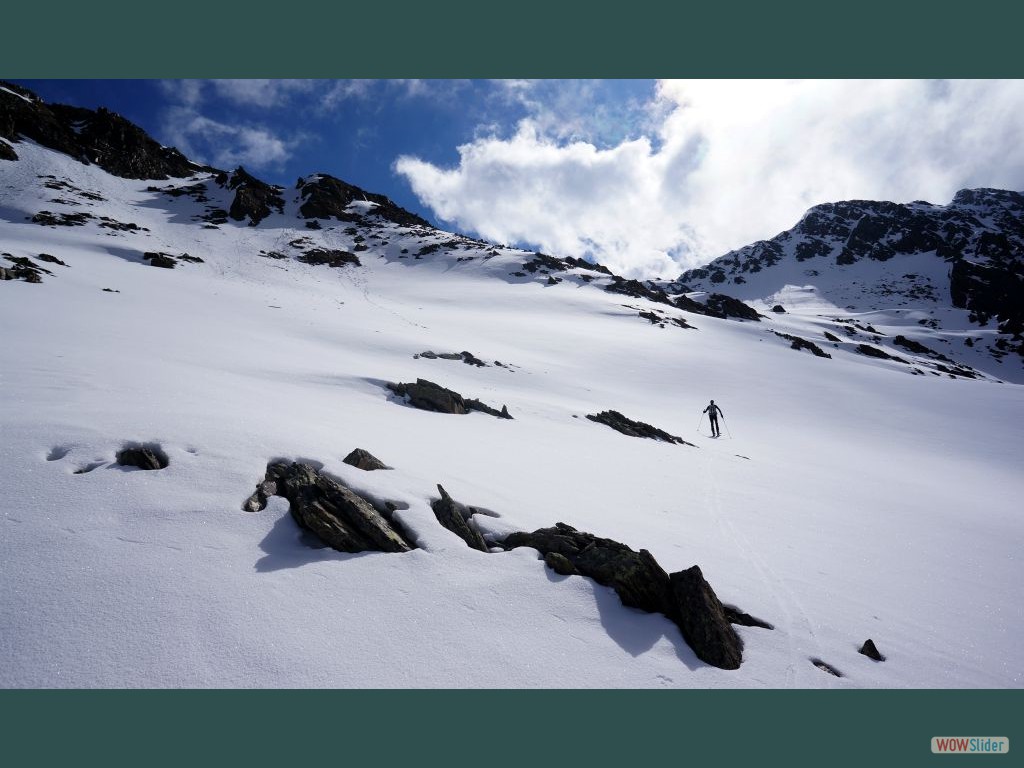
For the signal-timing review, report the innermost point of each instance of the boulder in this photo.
(428, 396)
(364, 460)
(869, 650)
(702, 619)
(339, 516)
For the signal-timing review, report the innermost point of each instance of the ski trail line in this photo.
(798, 671)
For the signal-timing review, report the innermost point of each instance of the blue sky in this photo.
(354, 130)
(649, 177)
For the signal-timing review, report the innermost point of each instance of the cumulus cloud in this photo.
(718, 164)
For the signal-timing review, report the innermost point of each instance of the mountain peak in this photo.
(90, 136)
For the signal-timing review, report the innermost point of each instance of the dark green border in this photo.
(498, 728)
(528, 38)
(525, 38)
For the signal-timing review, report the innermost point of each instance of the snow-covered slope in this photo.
(847, 500)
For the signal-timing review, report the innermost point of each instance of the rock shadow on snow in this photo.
(288, 546)
(684, 597)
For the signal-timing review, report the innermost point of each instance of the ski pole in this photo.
(726, 427)
(700, 422)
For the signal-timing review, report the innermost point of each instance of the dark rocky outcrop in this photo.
(330, 258)
(635, 576)
(455, 517)
(254, 199)
(545, 264)
(826, 667)
(718, 305)
(50, 259)
(7, 151)
(24, 269)
(779, 309)
(796, 342)
(164, 260)
(149, 456)
(467, 357)
(364, 460)
(992, 290)
(428, 396)
(50, 219)
(869, 650)
(638, 290)
(325, 197)
(620, 423)
(703, 621)
(640, 582)
(339, 516)
(879, 354)
(101, 137)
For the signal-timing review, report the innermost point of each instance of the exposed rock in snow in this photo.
(341, 518)
(455, 517)
(620, 423)
(149, 456)
(364, 460)
(428, 396)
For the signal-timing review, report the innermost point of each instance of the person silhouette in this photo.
(713, 411)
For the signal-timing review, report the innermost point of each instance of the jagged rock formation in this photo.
(545, 265)
(718, 305)
(339, 516)
(330, 258)
(254, 199)
(979, 235)
(325, 197)
(101, 137)
(428, 396)
(638, 290)
(799, 343)
(7, 151)
(24, 269)
(455, 517)
(640, 582)
(620, 423)
(869, 650)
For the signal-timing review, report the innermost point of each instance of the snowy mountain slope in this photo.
(955, 270)
(848, 500)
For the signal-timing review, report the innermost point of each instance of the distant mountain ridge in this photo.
(977, 241)
(855, 255)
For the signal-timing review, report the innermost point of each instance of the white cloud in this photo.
(723, 163)
(225, 146)
(261, 93)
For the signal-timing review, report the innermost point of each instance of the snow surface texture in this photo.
(847, 500)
